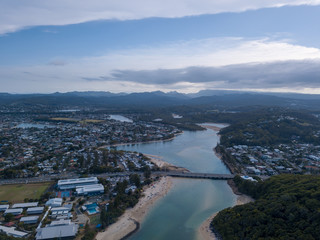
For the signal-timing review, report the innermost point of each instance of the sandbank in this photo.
(127, 223)
(158, 160)
(213, 127)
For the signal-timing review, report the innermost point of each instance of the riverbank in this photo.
(205, 232)
(133, 217)
(158, 160)
(132, 143)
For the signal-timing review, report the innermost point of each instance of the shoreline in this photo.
(130, 221)
(205, 232)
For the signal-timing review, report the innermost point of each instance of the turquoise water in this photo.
(34, 125)
(190, 202)
(181, 212)
(91, 206)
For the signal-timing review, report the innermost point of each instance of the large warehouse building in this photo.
(74, 183)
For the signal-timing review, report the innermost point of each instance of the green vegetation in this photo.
(119, 204)
(19, 192)
(89, 233)
(4, 236)
(272, 126)
(286, 207)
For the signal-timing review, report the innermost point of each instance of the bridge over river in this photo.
(198, 175)
(49, 178)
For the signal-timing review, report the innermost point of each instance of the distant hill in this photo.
(217, 99)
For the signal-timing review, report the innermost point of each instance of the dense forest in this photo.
(286, 207)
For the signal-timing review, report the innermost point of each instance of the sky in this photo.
(149, 45)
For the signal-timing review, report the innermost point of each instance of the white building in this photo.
(61, 212)
(15, 211)
(4, 207)
(10, 231)
(25, 205)
(248, 178)
(90, 189)
(35, 210)
(73, 183)
(54, 202)
(57, 230)
(29, 220)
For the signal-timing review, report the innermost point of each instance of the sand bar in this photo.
(127, 222)
(212, 127)
(158, 160)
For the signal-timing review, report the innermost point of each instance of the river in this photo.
(190, 202)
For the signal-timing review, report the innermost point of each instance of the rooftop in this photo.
(32, 218)
(25, 205)
(59, 231)
(12, 232)
(77, 181)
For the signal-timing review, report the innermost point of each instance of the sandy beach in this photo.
(205, 233)
(127, 222)
(158, 160)
(215, 128)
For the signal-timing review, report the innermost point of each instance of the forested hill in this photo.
(286, 207)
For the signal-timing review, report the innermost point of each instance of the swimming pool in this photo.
(92, 208)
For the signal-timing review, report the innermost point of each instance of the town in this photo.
(30, 148)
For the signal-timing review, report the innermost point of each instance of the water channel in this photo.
(190, 202)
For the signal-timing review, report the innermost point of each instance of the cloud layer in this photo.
(229, 63)
(16, 14)
(296, 74)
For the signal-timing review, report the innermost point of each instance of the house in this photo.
(248, 178)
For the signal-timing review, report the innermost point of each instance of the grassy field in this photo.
(76, 120)
(18, 192)
(64, 119)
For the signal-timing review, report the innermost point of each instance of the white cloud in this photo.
(17, 14)
(98, 73)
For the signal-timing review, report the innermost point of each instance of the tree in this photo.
(147, 172)
(135, 179)
(8, 217)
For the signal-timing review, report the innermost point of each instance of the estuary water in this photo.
(120, 118)
(192, 150)
(190, 202)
